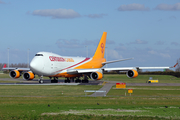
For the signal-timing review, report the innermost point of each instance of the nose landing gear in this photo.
(40, 79)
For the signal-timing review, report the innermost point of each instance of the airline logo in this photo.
(102, 47)
(60, 59)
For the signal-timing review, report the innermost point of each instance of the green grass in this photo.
(146, 102)
(45, 91)
(141, 78)
(152, 91)
(31, 102)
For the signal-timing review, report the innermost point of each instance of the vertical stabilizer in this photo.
(101, 47)
(4, 66)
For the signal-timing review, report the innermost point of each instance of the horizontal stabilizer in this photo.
(116, 61)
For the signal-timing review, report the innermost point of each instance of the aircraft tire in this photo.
(41, 81)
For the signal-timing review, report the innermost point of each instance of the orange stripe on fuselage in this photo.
(94, 63)
(64, 74)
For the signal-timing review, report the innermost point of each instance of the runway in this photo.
(10, 81)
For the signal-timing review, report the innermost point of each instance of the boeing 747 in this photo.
(72, 68)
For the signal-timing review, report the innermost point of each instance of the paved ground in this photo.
(45, 82)
(106, 88)
(152, 84)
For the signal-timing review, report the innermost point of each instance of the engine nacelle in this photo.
(96, 75)
(28, 76)
(132, 73)
(14, 74)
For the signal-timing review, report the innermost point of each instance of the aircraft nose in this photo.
(37, 65)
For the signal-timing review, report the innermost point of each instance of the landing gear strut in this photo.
(55, 80)
(77, 80)
(85, 80)
(40, 79)
(67, 80)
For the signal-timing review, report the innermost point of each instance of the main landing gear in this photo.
(77, 80)
(55, 80)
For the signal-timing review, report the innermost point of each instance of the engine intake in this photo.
(96, 75)
(28, 76)
(14, 74)
(132, 73)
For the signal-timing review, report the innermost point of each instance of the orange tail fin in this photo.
(100, 50)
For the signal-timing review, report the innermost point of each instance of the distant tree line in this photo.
(19, 65)
(178, 66)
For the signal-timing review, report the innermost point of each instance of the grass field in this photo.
(48, 102)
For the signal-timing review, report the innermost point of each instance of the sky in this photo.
(148, 31)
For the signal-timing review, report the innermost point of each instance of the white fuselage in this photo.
(49, 64)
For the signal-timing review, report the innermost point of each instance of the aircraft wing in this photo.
(19, 69)
(76, 71)
(15, 68)
(135, 68)
(119, 69)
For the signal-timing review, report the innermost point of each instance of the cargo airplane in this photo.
(72, 68)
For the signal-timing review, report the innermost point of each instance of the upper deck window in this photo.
(39, 55)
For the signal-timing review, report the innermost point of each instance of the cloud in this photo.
(166, 7)
(159, 43)
(57, 13)
(175, 43)
(120, 47)
(113, 54)
(138, 41)
(133, 7)
(165, 55)
(96, 15)
(1, 2)
(110, 42)
(172, 17)
(62, 43)
(90, 42)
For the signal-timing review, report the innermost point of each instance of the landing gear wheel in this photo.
(41, 81)
(67, 80)
(55, 80)
(85, 81)
(78, 81)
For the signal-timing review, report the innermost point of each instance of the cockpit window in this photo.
(39, 55)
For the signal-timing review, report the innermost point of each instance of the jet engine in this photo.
(14, 74)
(132, 73)
(28, 76)
(96, 75)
